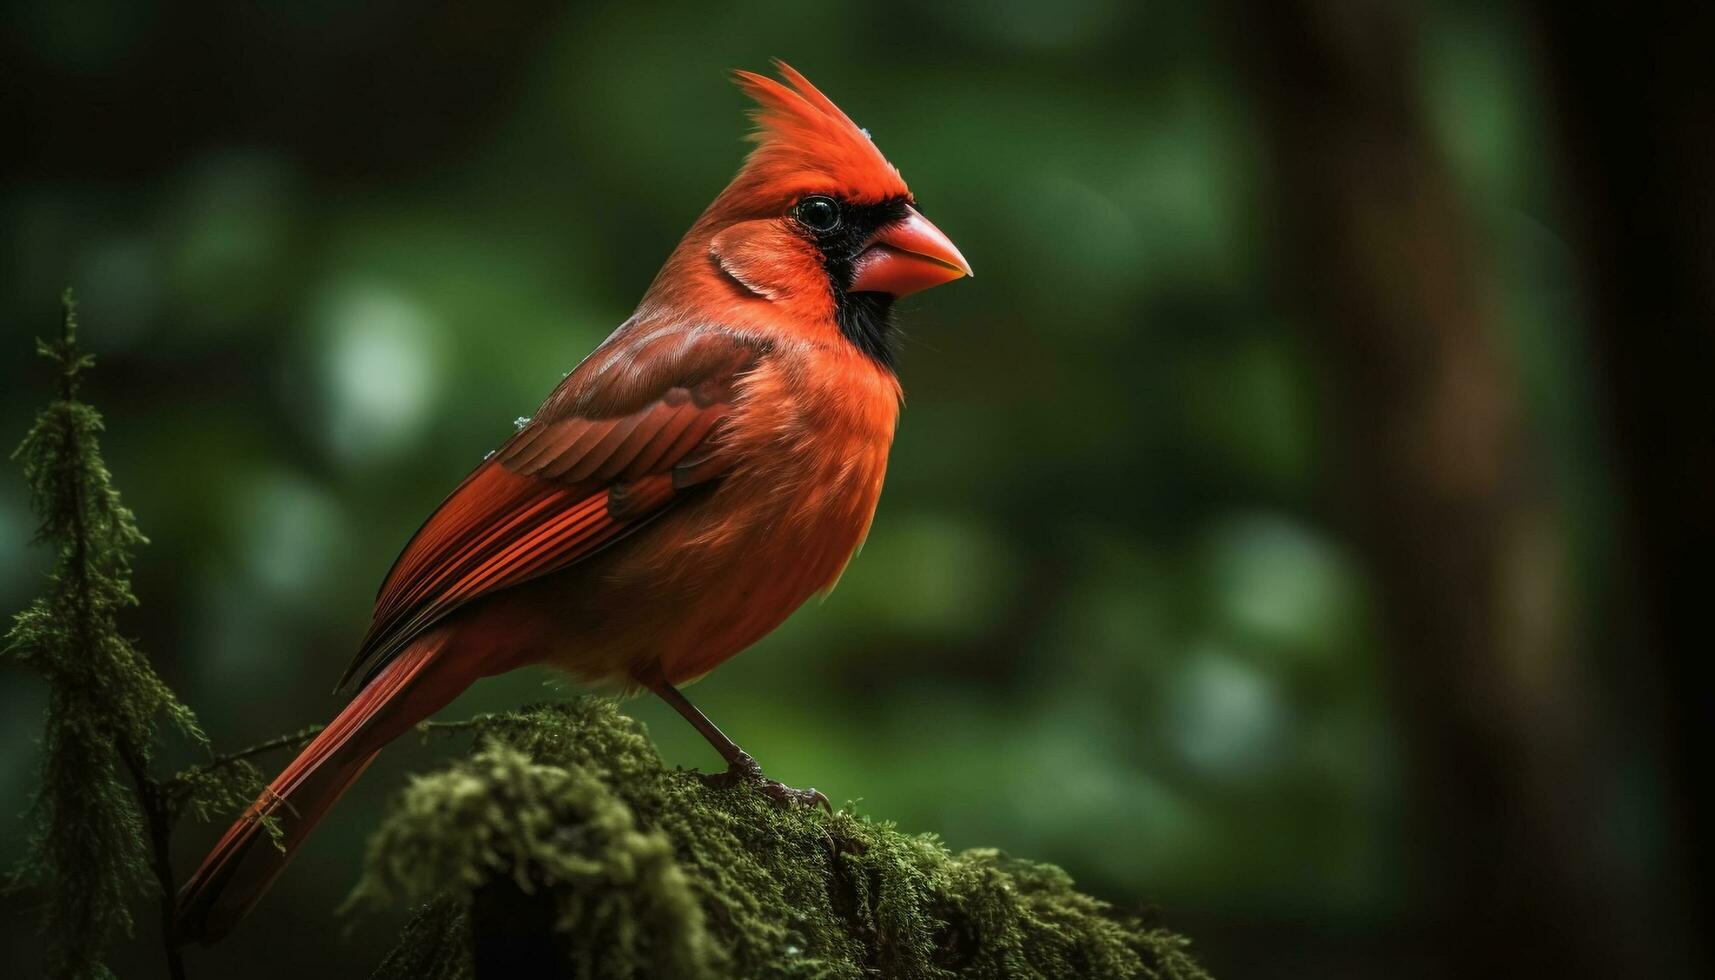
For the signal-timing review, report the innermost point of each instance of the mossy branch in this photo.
(562, 846)
(101, 822)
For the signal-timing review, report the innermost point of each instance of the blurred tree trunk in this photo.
(1635, 90)
(1430, 446)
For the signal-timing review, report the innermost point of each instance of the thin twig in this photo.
(292, 740)
(156, 810)
(474, 723)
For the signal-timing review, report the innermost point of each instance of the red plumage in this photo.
(713, 464)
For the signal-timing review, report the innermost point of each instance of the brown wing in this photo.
(633, 426)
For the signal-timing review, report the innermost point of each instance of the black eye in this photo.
(819, 214)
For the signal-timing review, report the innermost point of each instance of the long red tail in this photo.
(245, 862)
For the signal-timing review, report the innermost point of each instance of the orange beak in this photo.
(907, 256)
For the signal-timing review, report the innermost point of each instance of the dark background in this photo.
(1296, 526)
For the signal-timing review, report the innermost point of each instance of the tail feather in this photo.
(245, 862)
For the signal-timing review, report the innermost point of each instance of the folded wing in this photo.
(633, 428)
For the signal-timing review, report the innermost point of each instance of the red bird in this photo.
(713, 464)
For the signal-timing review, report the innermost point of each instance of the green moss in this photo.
(648, 872)
(100, 820)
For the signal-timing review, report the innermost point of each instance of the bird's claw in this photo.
(746, 770)
(791, 796)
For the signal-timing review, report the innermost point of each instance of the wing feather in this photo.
(570, 482)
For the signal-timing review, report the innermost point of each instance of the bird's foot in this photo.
(745, 770)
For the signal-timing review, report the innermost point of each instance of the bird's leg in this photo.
(740, 766)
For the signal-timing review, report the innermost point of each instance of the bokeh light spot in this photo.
(380, 370)
(1226, 719)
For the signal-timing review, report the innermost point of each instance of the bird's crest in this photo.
(805, 144)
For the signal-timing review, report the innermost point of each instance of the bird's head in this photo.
(817, 224)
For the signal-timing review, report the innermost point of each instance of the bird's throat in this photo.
(866, 319)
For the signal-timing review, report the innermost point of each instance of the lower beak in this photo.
(907, 256)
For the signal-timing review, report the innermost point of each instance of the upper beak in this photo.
(907, 256)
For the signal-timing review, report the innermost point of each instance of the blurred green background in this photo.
(1111, 614)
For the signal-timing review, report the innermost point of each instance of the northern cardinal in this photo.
(713, 464)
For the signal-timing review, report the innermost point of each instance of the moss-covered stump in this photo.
(562, 847)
